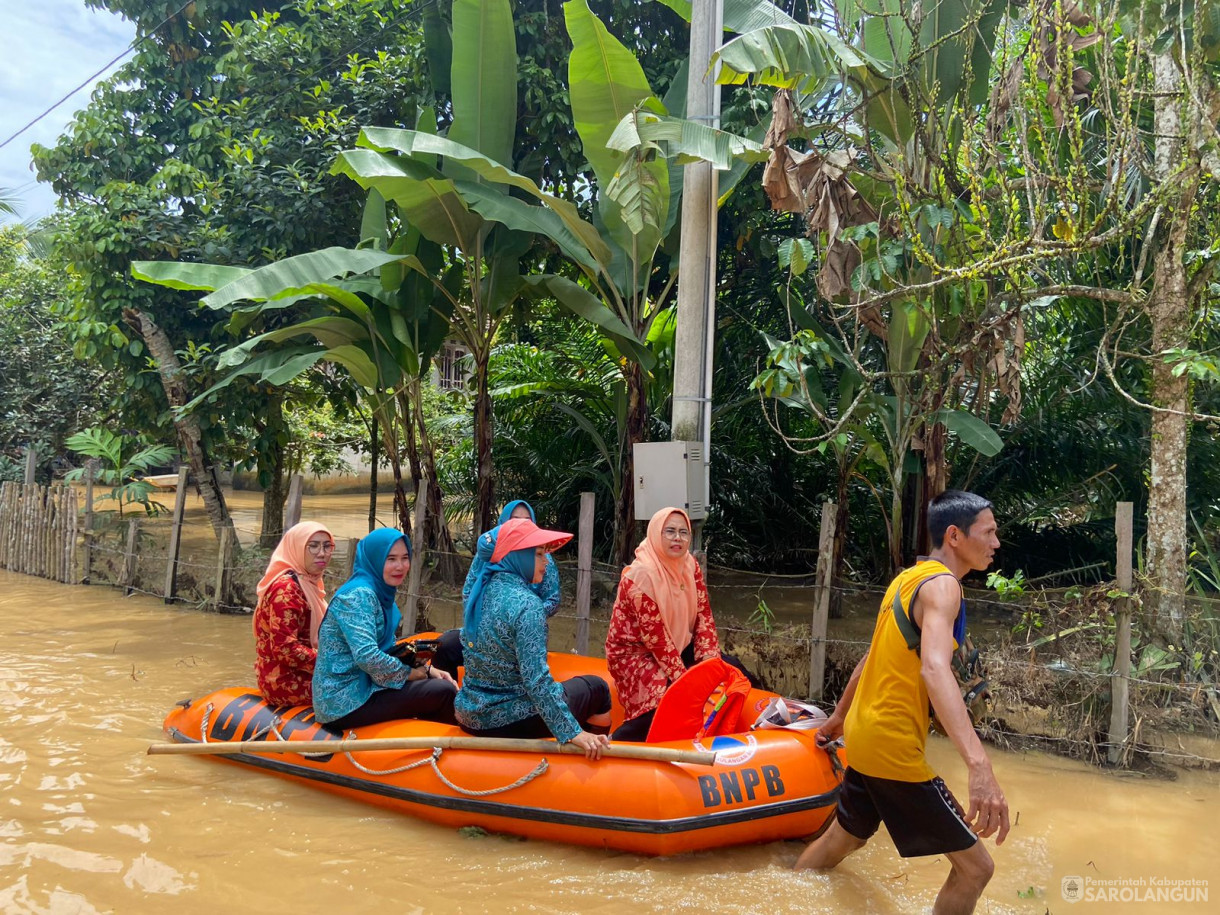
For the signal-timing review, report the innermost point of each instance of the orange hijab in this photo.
(667, 580)
(289, 556)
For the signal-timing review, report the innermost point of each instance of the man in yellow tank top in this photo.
(883, 715)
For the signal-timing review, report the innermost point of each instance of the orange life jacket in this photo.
(705, 701)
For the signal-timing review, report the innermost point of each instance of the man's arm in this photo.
(833, 728)
(940, 600)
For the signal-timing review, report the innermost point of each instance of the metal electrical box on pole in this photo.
(670, 474)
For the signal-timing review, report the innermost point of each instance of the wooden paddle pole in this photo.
(503, 744)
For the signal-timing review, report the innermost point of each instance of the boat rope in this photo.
(272, 728)
(432, 760)
(832, 749)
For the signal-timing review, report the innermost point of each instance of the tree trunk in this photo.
(637, 429)
(1169, 310)
(271, 472)
(189, 434)
(935, 481)
(423, 460)
(485, 505)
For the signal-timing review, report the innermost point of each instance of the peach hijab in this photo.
(667, 580)
(289, 556)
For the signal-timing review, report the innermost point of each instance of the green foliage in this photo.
(44, 392)
(1007, 588)
(763, 617)
(123, 462)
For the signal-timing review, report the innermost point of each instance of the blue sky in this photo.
(47, 47)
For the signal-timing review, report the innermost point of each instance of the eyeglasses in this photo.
(673, 533)
(324, 547)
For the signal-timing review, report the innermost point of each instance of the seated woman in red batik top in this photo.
(661, 623)
(291, 604)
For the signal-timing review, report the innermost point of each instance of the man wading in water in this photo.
(886, 726)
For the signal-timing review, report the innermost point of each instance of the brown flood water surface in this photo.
(89, 823)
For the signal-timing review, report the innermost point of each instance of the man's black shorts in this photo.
(922, 817)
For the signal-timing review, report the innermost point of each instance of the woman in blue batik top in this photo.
(356, 681)
(508, 690)
(448, 655)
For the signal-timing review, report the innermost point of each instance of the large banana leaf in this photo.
(739, 15)
(484, 77)
(605, 84)
(416, 143)
(497, 206)
(583, 303)
(789, 56)
(970, 429)
(277, 367)
(175, 275)
(684, 141)
(428, 199)
(438, 48)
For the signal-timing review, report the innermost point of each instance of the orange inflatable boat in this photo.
(767, 784)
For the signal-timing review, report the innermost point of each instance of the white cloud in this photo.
(47, 48)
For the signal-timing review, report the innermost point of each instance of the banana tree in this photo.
(363, 313)
(634, 147)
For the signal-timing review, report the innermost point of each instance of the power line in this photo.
(130, 48)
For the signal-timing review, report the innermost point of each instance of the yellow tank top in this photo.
(886, 728)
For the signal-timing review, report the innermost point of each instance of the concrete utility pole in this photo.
(692, 412)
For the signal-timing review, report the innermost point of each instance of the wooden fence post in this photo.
(31, 464)
(821, 601)
(220, 591)
(70, 537)
(1120, 683)
(584, 571)
(90, 473)
(127, 573)
(175, 537)
(419, 548)
(292, 507)
(349, 561)
(5, 522)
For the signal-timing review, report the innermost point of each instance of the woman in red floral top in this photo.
(291, 604)
(661, 623)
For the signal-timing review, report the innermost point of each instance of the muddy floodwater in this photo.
(90, 823)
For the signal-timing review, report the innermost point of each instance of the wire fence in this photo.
(1051, 686)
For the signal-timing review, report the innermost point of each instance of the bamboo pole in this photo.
(5, 489)
(31, 464)
(1120, 683)
(418, 537)
(584, 571)
(70, 536)
(54, 530)
(349, 561)
(175, 537)
(501, 744)
(127, 574)
(90, 473)
(821, 603)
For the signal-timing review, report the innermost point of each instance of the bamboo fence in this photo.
(39, 530)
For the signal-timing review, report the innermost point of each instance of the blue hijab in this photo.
(507, 511)
(518, 562)
(368, 571)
